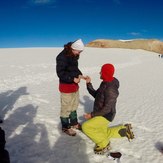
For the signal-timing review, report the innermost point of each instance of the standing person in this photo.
(97, 125)
(69, 77)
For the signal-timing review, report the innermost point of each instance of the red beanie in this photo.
(107, 72)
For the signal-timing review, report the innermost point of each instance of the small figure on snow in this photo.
(160, 55)
(97, 125)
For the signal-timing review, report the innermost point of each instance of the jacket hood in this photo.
(107, 72)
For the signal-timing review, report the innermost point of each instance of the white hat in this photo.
(77, 45)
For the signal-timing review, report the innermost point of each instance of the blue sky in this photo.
(52, 23)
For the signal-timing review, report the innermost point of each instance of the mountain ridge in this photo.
(153, 45)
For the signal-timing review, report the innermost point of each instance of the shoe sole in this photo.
(76, 128)
(67, 132)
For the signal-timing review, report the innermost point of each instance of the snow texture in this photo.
(30, 105)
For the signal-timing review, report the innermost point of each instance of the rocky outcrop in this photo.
(149, 44)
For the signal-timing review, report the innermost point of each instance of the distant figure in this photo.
(104, 110)
(160, 55)
(69, 77)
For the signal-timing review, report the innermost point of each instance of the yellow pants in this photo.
(98, 130)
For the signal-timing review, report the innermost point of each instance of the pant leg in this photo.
(75, 101)
(69, 105)
(65, 123)
(96, 129)
(75, 104)
(66, 104)
(65, 109)
(73, 118)
(116, 132)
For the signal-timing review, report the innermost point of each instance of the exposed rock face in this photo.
(150, 45)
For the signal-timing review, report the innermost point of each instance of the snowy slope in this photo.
(30, 105)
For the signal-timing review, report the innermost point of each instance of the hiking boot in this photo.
(129, 133)
(77, 126)
(69, 131)
(101, 151)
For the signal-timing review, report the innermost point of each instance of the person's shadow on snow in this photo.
(69, 149)
(27, 140)
(87, 104)
(9, 98)
(159, 146)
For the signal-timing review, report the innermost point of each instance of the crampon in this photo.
(102, 151)
(129, 133)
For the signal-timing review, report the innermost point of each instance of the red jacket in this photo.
(68, 88)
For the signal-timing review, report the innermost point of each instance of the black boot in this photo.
(74, 121)
(122, 132)
(65, 122)
(73, 118)
(66, 128)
